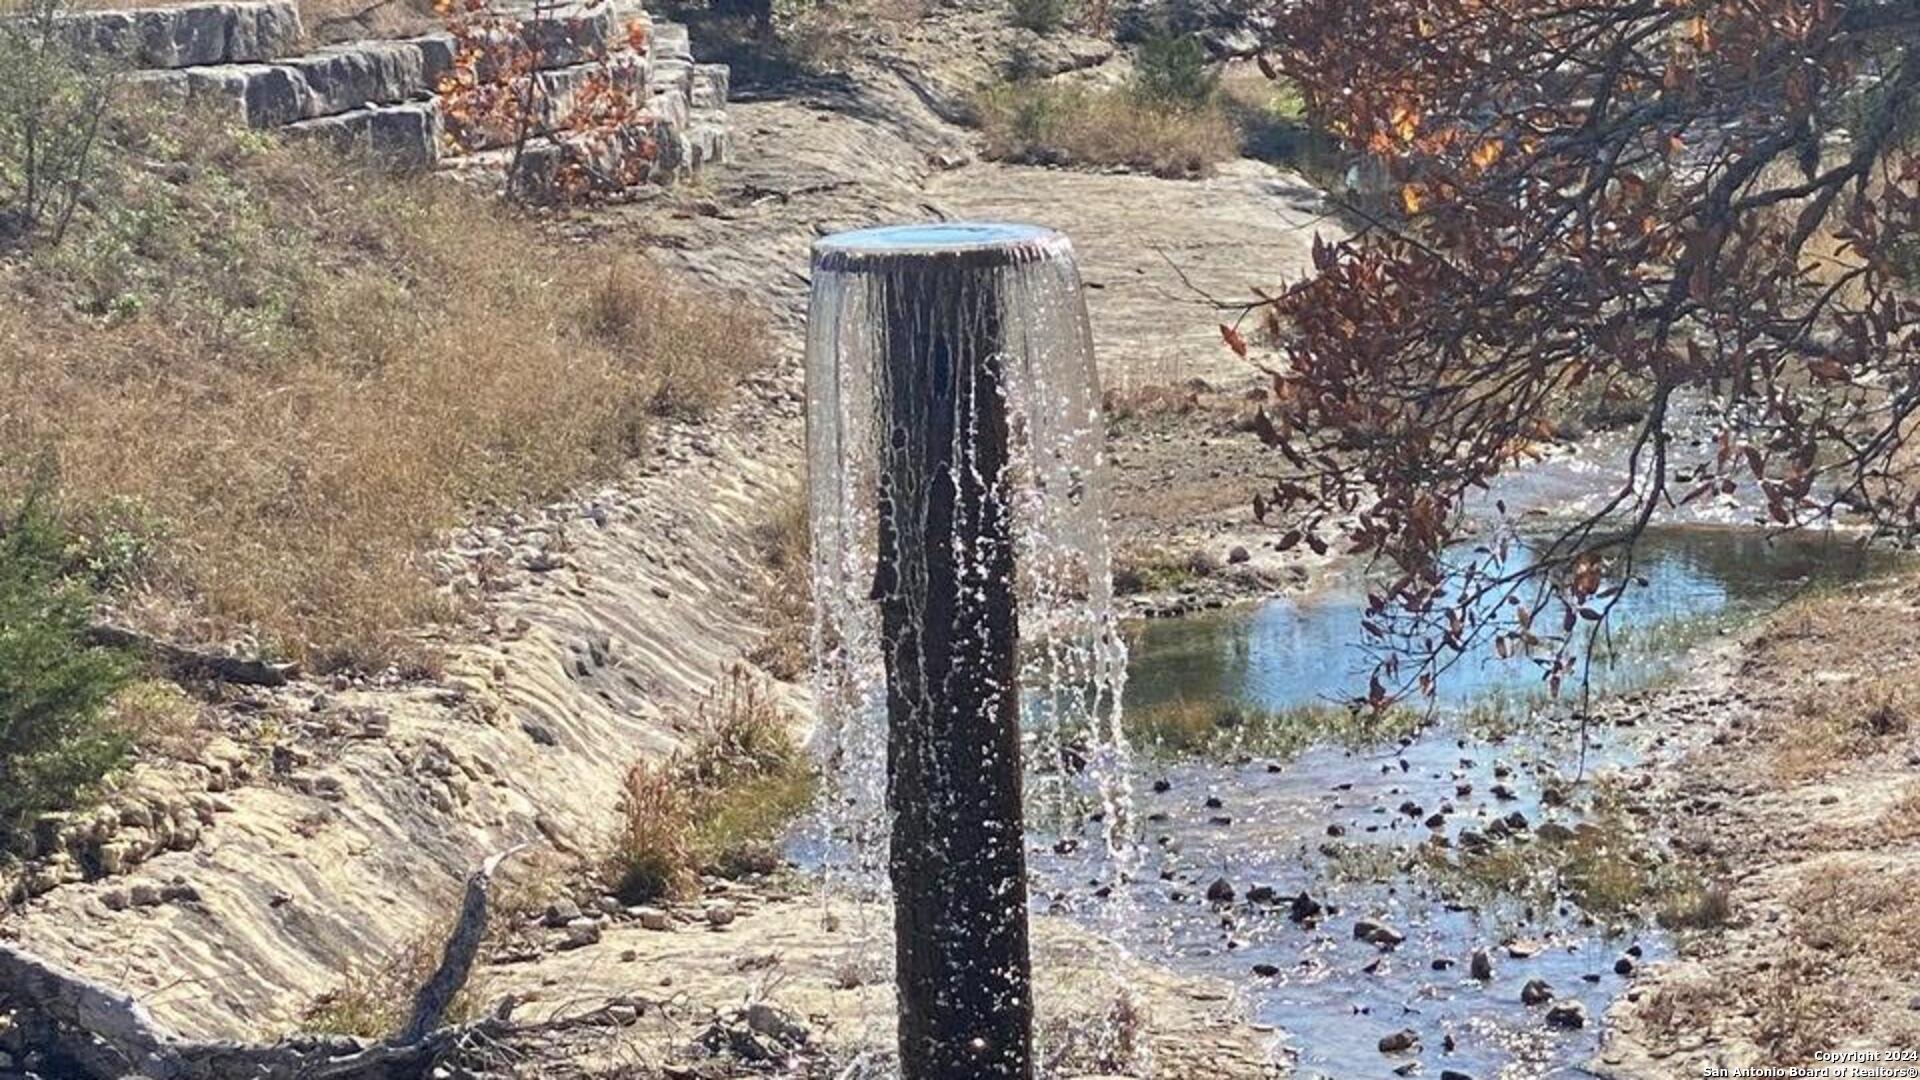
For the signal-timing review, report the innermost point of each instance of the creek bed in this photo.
(1248, 820)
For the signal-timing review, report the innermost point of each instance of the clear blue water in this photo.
(1299, 650)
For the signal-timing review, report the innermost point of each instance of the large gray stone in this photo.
(326, 83)
(401, 136)
(710, 86)
(343, 78)
(574, 34)
(191, 35)
(670, 41)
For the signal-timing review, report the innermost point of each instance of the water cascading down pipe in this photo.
(909, 355)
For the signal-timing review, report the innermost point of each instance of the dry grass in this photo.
(1097, 1039)
(280, 377)
(1901, 822)
(1839, 716)
(373, 1002)
(718, 807)
(786, 596)
(1051, 123)
(1859, 910)
(1154, 570)
(160, 719)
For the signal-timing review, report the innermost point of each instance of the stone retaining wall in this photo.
(242, 59)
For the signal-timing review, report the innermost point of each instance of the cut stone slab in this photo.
(670, 41)
(192, 35)
(404, 136)
(326, 83)
(710, 86)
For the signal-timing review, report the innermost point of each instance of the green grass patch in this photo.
(1226, 729)
(1607, 866)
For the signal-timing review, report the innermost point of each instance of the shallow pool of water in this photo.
(1339, 824)
(1268, 823)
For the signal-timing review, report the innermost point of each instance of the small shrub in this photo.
(719, 806)
(786, 596)
(159, 718)
(1175, 70)
(653, 857)
(1698, 906)
(56, 742)
(1152, 571)
(1039, 16)
(1109, 1039)
(54, 101)
(373, 1002)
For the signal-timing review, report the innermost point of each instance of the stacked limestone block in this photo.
(243, 59)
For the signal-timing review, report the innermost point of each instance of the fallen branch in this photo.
(182, 662)
(431, 1004)
(110, 1034)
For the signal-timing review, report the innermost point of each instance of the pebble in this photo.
(1568, 1015)
(651, 918)
(1304, 907)
(720, 914)
(1220, 892)
(1623, 966)
(1536, 992)
(561, 912)
(1404, 1039)
(581, 933)
(1377, 933)
(1481, 966)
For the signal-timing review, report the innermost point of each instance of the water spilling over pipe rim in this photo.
(961, 243)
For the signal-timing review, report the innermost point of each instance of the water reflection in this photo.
(1296, 651)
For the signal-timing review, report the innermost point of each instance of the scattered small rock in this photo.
(1220, 892)
(1400, 1041)
(1304, 907)
(1623, 966)
(1481, 966)
(720, 914)
(1568, 1015)
(1536, 992)
(561, 912)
